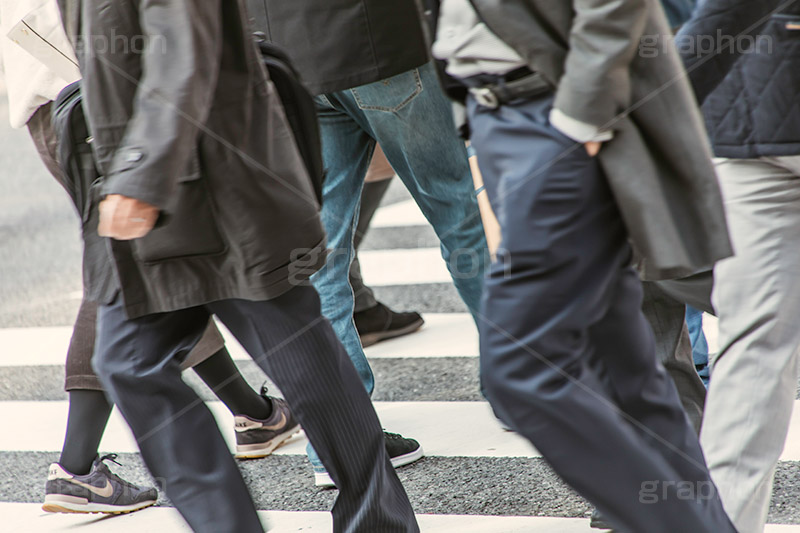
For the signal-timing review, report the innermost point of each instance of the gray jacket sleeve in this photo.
(603, 41)
(175, 90)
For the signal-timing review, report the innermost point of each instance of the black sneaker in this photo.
(380, 323)
(597, 521)
(259, 438)
(401, 451)
(99, 491)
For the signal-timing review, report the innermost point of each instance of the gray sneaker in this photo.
(99, 491)
(259, 438)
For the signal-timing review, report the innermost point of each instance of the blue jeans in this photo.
(411, 118)
(694, 321)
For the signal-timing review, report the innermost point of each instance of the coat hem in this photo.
(277, 283)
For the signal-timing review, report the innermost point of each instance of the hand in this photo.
(592, 147)
(124, 218)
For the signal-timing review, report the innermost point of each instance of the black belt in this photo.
(493, 91)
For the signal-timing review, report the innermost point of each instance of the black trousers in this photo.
(138, 361)
(567, 357)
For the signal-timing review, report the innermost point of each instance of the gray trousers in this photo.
(667, 316)
(138, 361)
(757, 298)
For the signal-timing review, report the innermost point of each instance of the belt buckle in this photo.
(485, 97)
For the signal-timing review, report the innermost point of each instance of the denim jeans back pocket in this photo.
(391, 94)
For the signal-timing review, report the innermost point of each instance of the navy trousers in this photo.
(138, 361)
(567, 357)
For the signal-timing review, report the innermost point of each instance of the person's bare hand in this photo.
(592, 147)
(124, 218)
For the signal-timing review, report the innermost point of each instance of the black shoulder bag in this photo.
(300, 109)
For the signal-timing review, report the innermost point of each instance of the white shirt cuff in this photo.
(577, 130)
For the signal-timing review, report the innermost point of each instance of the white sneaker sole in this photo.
(263, 449)
(62, 503)
(324, 480)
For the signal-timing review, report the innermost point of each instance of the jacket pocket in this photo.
(391, 94)
(189, 230)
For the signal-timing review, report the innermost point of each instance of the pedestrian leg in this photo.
(757, 298)
(138, 361)
(296, 346)
(667, 318)
(597, 410)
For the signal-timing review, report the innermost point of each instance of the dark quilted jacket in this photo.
(751, 98)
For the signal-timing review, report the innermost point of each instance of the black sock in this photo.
(371, 197)
(89, 411)
(222, 376)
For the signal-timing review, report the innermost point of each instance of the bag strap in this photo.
(71, 18)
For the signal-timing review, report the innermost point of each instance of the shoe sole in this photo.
(407, 459)
(263, 449)
(601, 524)
(368, 339)
(55, 503)
(325, 481)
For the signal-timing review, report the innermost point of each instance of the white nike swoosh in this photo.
(103, 492)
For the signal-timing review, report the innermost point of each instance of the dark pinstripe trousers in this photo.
(139, 362)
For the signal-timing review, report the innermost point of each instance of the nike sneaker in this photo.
(401, 452)
(99, 491)
(259, 438)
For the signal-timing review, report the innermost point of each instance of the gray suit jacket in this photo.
(614, 68)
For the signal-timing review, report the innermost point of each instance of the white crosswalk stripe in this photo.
(403, 267)
(448, 430)
(21, 517)
(441, 426)
(401, 214)
(444, 335)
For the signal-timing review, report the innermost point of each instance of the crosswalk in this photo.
(476, 477)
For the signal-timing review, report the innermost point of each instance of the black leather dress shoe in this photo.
(380, 323)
